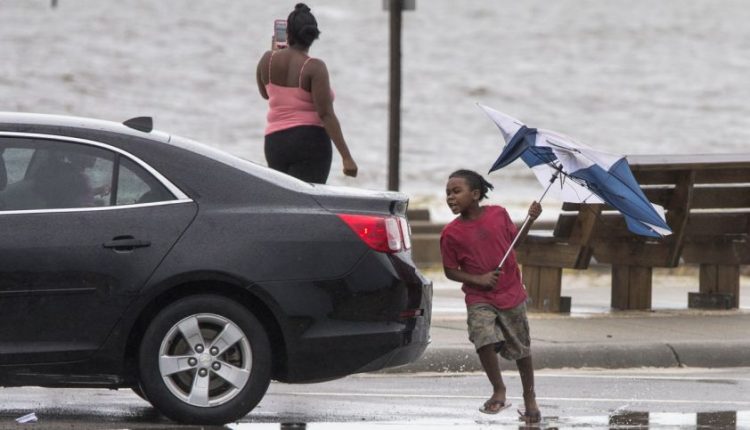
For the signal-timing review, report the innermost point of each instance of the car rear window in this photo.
(242, 164)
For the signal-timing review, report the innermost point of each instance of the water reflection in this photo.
(720, 419)
(622, 420)
(629, 419)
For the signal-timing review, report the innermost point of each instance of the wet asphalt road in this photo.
(656, 398)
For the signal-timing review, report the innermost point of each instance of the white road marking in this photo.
(673, 374)
(557, 399)
(663, 378)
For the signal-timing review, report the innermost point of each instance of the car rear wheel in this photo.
(139, 392)
(206, 360)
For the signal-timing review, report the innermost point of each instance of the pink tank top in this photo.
(289, 106)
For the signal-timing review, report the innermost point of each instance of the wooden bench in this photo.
(707, 204)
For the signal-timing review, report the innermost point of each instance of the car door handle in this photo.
(126, 243)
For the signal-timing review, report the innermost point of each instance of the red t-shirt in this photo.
(476, 247)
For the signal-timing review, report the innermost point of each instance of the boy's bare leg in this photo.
(526, 370)
(488, 358)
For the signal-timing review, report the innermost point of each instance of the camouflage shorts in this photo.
(506, 328)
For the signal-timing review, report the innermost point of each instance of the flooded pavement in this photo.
(624, 420)
(569, 399)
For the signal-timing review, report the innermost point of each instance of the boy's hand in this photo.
(488, 281)
(535, 210)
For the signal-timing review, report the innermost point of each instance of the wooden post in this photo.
(631, 287)
(394, 122)
(678, 215)
(543, 285)
(721, 278)
(583, 230)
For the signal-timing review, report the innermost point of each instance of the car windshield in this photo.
(253, 168)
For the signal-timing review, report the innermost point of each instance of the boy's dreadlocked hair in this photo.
(475, 181)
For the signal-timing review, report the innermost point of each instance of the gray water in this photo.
(631, 77)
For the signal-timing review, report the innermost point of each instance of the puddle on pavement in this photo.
(621, 420)
(659, 420)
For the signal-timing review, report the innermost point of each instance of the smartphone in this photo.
(279, 33)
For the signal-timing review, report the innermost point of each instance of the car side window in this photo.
(13, 164)
(135, 185)
(15, 161)
(45, 174)
(38, 174)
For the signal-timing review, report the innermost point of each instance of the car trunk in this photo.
(352, 200)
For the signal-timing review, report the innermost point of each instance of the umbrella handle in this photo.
(525, 222)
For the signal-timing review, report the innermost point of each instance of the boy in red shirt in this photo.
(472, 246)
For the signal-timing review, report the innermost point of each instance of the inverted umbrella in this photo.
(585, 174)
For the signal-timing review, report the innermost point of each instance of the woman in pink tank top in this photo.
(301, 121)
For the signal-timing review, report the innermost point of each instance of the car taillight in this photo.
(381, 233)
(406, 232)
(393, 233)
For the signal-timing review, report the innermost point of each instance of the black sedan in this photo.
(131, 258)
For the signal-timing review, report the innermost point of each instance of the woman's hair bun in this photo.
(301, 7)
(302, 26)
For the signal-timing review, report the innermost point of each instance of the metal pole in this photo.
(394, 123)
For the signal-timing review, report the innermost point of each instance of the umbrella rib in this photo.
(578, 181)
(582, 182)
(574, 190)
(564, 148)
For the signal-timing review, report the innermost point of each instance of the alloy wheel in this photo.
(205, 360)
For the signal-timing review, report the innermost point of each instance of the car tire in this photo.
(205, 359)
(139, 392)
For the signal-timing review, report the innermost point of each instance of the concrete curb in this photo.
(593, 355)
(713, 354)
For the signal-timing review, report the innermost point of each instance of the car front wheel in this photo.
(205, 360)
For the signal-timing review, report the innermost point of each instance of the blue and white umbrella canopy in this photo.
(589, 176)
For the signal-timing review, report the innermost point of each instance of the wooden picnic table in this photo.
(707, 204)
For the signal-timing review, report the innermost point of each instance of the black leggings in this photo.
(303, 152)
